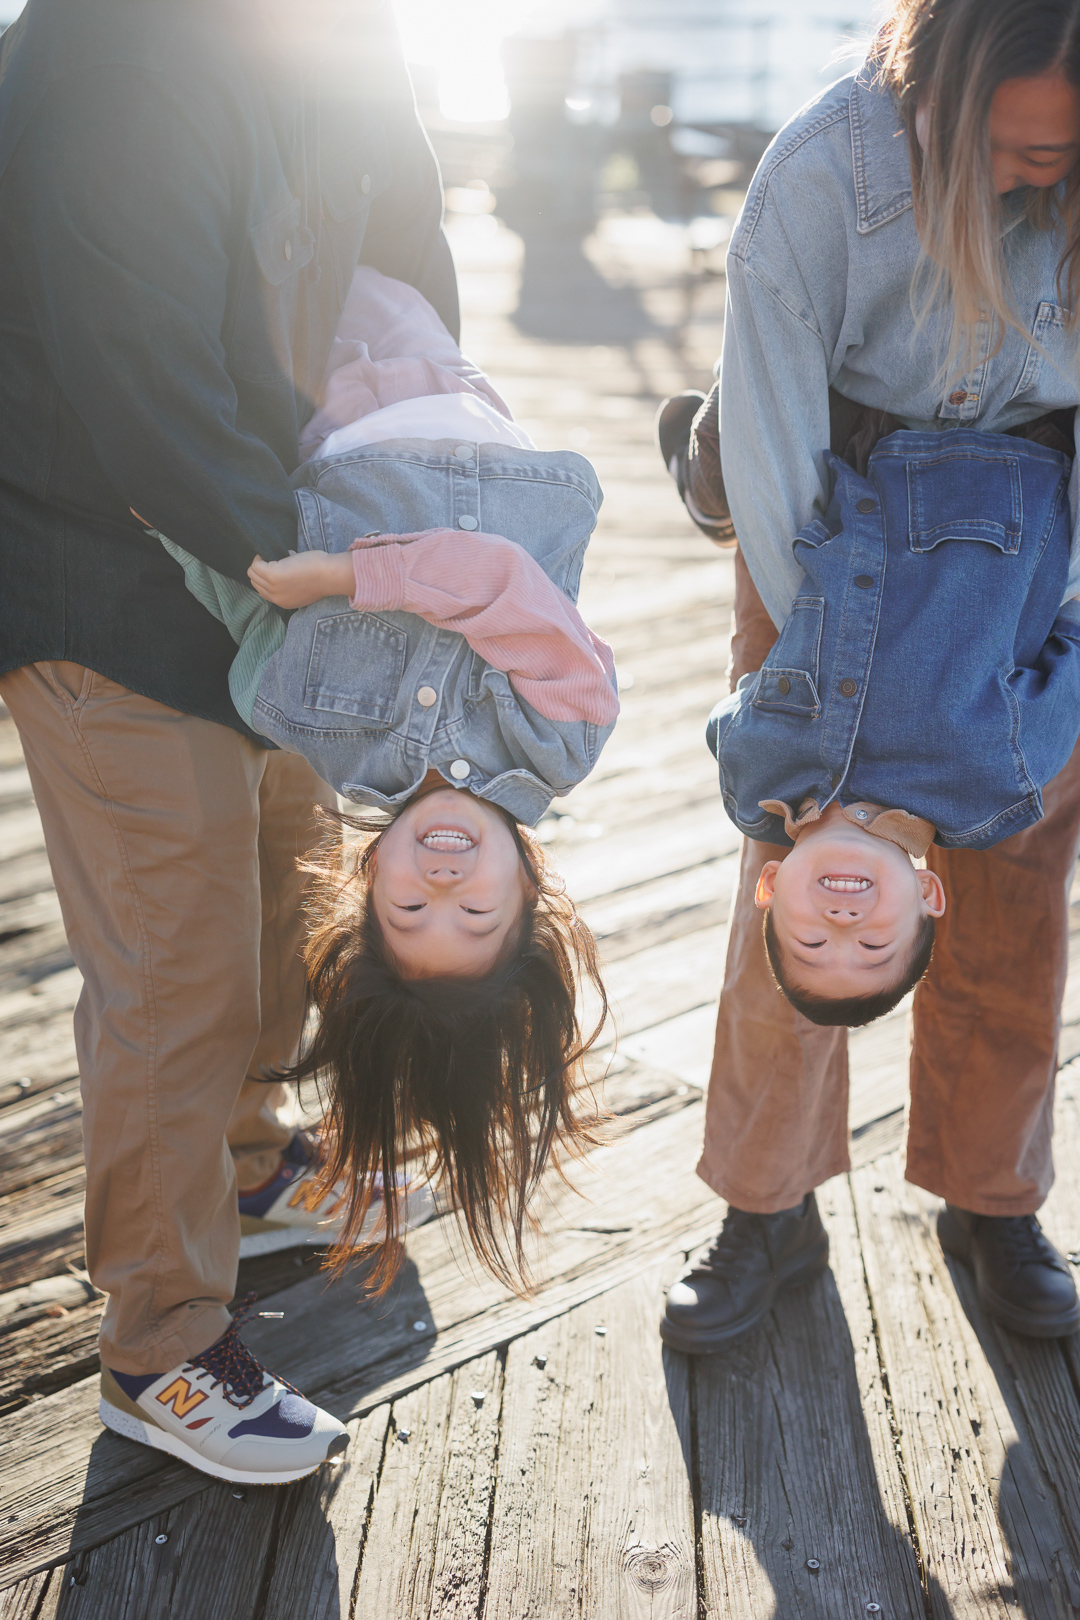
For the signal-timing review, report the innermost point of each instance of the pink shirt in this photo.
(495, 595)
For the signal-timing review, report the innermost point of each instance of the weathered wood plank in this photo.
(801, 1499)
(24, 1600)
(989, 1536)
(424, 1549)
(321, 1535)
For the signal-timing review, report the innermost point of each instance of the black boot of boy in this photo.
(1022, 1281)
(754, 1259)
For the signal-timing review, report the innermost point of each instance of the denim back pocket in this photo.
(965, 494)
(356, 666)
(788, 683)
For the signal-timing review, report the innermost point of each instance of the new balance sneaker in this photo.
(224, 1414)
(294, 1209)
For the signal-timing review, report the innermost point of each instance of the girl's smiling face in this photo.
(1034, 131)
(449, 886)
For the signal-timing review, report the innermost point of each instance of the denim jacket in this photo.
(926, 664)
(819, 277)
(344, 689)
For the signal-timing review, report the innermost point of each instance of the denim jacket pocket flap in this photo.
(787, 691)
(282, 245)
(351, 184)
(356, 666)
(965, 494)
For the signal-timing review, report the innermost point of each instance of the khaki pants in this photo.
(173, 843)
(987, 1018)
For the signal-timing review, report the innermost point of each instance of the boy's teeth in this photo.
(845, 885)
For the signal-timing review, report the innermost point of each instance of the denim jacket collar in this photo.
(879, 152)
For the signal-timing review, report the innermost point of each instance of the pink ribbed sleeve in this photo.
(493, 593)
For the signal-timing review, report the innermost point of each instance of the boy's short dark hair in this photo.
(853, 1011)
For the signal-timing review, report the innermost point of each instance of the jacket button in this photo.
(426, 696)
(460, 769)
(849, 687)
(287, 250)
(783, 685)
(467, 523)
(464, 452)
(866, 505)
(365, 184)
(959, 396)
(864, 581)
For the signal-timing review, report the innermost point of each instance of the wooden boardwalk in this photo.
(877, 1448)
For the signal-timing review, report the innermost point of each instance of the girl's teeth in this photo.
(846, 885)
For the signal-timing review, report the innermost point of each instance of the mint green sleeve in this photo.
(255, 625)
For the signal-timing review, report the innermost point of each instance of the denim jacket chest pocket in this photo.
(355, 666)
(965, 494)
(789, 680)
(1056, 346)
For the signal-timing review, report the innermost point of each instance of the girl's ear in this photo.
(933, 893)
(766, 885)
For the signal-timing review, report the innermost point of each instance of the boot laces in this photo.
(740, 1239)
(1023, 1240)
(231, 1364)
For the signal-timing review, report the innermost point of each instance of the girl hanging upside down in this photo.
(433, 667)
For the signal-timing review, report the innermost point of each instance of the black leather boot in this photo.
(754, 1258)
(1022, 1280)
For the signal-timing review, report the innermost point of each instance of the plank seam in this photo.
(489, 1529)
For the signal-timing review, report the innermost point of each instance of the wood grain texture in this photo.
(24, 1600)
(989, 1534)
(796, 1457)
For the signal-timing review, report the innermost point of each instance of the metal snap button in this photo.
(958, 396)
(460, 769)
(468, 523)
(287, 250)
(866, 505)
(464, 452)
(864, 581)
(862, 815)
(365, 184)
(426, 696)
(849, 687)
(784, 685)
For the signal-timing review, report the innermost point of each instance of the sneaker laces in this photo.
(231, 1364)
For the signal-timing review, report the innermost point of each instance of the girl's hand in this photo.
(303, 577)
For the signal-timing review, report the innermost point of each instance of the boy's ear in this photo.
(766, 885)
(933, 893)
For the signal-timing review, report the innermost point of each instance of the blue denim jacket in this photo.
(342, 690)
(926, 664)
(819, 277)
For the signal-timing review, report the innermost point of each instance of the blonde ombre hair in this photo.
(949, 57)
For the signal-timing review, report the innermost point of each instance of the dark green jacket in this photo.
(180, 217)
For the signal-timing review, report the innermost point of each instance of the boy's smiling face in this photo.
(846, 907)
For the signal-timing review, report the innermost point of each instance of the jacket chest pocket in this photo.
(354, 175)
(1050, 332)
(965, 494)
(278, 248)
(788, 682)
(356, 667)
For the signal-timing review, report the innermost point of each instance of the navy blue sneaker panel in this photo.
(291, 1418)
(133, 1384)
(295, 1160)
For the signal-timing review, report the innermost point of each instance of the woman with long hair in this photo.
(908, 256)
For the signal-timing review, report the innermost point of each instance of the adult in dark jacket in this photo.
(186, 187)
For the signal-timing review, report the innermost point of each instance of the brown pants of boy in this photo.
(987, 1018)
(173, 843)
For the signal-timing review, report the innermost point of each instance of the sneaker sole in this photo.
(419, 1209)
(148, 1434)
(954, 1243)
(703, 1344)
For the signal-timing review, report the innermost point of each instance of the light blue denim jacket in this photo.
(819, 294)
(344, 687)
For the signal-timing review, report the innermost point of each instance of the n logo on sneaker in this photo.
(181, 1397)
(310, 1195)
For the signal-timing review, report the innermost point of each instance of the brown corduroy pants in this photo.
(173, 843)
(987, 1018)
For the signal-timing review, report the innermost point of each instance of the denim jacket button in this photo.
(866, 505)
(365, 183)
(460, 769)
(849, 687)
(864, 581)
(463, 452)
(426, 696)
(467, 523)
(288, 249)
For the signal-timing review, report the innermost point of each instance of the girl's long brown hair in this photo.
(950, 56)
(478, 1075)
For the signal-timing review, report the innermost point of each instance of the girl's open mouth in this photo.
(839, 883)
(451, 840)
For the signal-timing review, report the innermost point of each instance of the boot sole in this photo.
(954, 1242)
(705, 1343)
(148, 1434)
